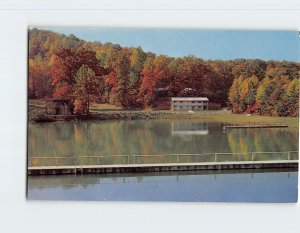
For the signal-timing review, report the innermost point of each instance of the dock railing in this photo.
(162, 158)
(255, 125)
(258, 123)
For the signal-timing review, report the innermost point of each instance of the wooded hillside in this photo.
(67, 67)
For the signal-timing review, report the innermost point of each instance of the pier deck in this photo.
(119, 168)
(256, 126)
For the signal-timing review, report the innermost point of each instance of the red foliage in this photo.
(158, 72)
(254, 108)
(147, 88)
(67, 62)
(111, 79)
(63, 91)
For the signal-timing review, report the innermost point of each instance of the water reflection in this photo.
(278, 185)
(95, 138)
(268, 139)
(189, 128)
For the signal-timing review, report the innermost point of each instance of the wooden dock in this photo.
(161, 162)
(255, 126)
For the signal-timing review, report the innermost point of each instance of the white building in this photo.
(189, 103)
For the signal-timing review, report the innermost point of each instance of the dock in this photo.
(134, 168)
(256, 126)
(161, 163)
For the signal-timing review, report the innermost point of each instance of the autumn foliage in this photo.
(79, 107)
(63, 66)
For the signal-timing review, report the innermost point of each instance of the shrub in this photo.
(39, 115)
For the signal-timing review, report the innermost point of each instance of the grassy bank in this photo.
(254, 119)
(111, 112)
(220, 116)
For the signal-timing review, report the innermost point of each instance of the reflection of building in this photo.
(189, 103)
(189, 128)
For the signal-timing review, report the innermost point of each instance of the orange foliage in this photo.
(79, 107)
(63, 91)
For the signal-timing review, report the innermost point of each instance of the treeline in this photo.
(66, 67)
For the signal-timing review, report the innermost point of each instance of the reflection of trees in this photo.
(70, 181)
(93, 138)
(261, 140)
(65, 181)
(118, 137)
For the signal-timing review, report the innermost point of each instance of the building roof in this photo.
(190, 98)
(57, 99)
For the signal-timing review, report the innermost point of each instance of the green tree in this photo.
(87, 86)
(121, 67)
(292, 93)
(234, 95)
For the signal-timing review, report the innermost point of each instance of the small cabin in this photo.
(162, 91)
(57, 106)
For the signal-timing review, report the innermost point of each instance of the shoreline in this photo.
(210, 115)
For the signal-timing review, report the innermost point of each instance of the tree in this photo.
(221, 81)
(87, 85)
(250, 98)
(39, 80)
(271, 96)
(137, 59)
(147, 88)
(120, 65)
(65, 66)
(130, 77)
(292, 93)
(155, 75)
(234, 94)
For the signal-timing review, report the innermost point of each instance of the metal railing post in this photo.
(215, 157)
(289, 155)
(252, 157)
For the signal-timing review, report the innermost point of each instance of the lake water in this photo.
(209, 186)
(153, 137)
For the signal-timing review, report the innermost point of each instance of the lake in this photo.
(276, 185)
(153, 137)
(156, 137)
